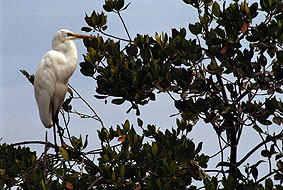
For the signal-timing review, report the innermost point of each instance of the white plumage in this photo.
(53, 73)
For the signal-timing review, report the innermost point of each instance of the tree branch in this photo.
(257, 147)
(124, 25)
(30, 142)
(96, 115)
(115, 37)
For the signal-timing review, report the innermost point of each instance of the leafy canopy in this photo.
(229, 75)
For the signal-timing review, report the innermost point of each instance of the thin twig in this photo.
(82, 168)
(222, 153)
(266, 176)
(100, 149)
(170, 95)
(66, 126)
(115, 37)
(99, 119)
(221, 149)
(94, 182)
(29, 142)
(265, 146)
(82, 115)
(280, 135)
(124, 25)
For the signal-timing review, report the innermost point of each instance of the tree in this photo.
(229, 75)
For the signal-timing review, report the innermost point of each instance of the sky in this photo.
(27, 28)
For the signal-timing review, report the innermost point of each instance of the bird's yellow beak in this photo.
(78, 35)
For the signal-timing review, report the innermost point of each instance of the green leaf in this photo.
(43, 184)
(202, 160)
(213, 66)
(278, 176)
(258, 34)
(195, 28)
(216, 9)
(199, 147)
(102, 134)
(227, 164)
(94, 18)
(66, 105)
(151, 129)
(86, 142)
(158, 39)
(254, 172)
(108, 6)
(64, 154)
(277, 120)
(268, 184)
(28, 76)
(118, 101)
(104, 27)
(279, 56)
(140, 122)
(113, 176)
(126, 125)
(253, 10)
(100, 97)
(265, 5)
(188, 1)
(77, 143)
(279, 165)
(271, 51)
(88, 20)
(265, 122)
(125, 7)
(123, 170)
(86, 29)
(258, 129)
(154, 149)
(86, 71)
(208, 2)
(172, 168)
(230, 87)
(231, 181)
(265, 153)
(2, 172)
(132, 50)
(121, 4)
(118, 4)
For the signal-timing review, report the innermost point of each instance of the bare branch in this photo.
(280, 135)
(124, 26)
(29, 142)
(115, 37)
(96, 115)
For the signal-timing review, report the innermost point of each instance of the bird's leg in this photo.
(58, 127)
(45, 158)
(54, 131)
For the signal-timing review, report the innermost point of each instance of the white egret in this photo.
(53, 73)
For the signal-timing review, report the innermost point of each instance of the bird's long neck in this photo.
(71, 54)
(68, 48)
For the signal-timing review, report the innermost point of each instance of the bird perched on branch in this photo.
(53, 73)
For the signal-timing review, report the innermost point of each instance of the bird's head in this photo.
(63, 35)
(62, 39)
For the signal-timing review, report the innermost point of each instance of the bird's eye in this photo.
(69, 34)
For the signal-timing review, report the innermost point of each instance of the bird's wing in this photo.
(45, 85)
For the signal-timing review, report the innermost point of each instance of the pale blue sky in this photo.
(27, 29)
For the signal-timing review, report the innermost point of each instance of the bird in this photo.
(53, 73)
